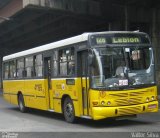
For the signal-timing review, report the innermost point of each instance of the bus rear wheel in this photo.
(21, 103)
(68, 110)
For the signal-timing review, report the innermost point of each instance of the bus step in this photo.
(50, 110)
(86, 117)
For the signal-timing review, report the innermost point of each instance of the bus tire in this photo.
(21, 103)
(68, 110)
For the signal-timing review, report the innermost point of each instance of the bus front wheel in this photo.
(68, 110)
(21, 103)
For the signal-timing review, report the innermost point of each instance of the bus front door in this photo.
(83, 73)
(49, 94)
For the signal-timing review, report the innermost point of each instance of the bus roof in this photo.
(65, 42)
(80, 38)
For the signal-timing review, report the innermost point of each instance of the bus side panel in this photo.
(79, 106)
(12, 87)
(58, 88)
(61, 88)
(6, 91)
(15, 87)
(14, 99)
(35, 94)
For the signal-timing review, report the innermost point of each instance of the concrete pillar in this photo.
(126, 13)
(122, 23)
(1, 69)
(156, 44)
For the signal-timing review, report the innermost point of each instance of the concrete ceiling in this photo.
(4, 3)
(33, 26)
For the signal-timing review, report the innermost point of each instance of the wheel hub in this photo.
(69, 110)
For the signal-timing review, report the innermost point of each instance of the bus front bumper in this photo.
(106, 112)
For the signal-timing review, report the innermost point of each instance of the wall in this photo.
(79, 6)
(155, 28)
(11, 8)
(143, 19)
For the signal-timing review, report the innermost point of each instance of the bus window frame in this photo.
(33, 70)
(67, 61)
(23, 77)
(35, 76)
(23, 71)
(7, 62)
(53, 60)
(15, 69)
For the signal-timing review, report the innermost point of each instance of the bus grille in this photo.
(137, 93)
(129, 101)
(130, 98)
(119, 95)
(129, 110)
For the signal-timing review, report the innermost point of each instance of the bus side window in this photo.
(29, 66)
(71, 62)
(55, 63)
(67, 62)
(63, 62)
(6, 70)
(12, 69)
(20, 68)
(38, 65)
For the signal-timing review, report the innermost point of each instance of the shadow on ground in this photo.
(83, 122)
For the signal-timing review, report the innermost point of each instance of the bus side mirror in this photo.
(90, 60)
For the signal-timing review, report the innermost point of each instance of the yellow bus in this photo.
(94, 75)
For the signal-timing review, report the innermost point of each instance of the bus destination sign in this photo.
(117, 40)
(122, 40)
(101, 40)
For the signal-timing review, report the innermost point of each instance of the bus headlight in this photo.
(103, 103)
(108, 103)
(147, 99)
(153, 98)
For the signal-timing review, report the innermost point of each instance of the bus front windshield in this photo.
(117, 68)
